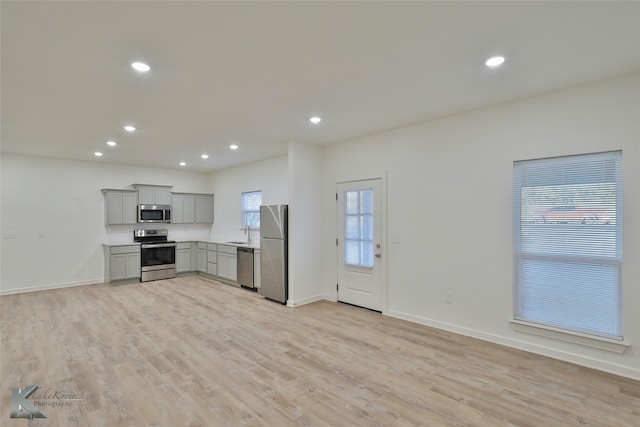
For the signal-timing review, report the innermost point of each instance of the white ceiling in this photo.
(252, 73)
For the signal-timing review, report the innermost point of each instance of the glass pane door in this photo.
(358, 227)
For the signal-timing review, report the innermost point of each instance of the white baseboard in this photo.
(303, 301)
(332, 298)
(50, 286)
(612, 368)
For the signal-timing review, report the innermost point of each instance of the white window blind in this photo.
(251, 202)
(568, 243)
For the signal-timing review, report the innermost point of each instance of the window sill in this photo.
(601, 343)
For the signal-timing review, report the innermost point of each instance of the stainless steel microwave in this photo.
(154, 213)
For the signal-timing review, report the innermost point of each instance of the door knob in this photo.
(378, 255)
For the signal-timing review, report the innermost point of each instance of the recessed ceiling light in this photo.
(233, 146)
(97, 154)
(182, 164)
(129, 128)
(315, 120)
(205, 156)
(140, 67)
(494, 61)
(111, 143)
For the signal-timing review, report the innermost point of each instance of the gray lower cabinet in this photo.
(202, 257)
(122, 262)
(228, 262)
(212, 259)
(183, 257)
(120, 207)
(218, 260)
(256, 268)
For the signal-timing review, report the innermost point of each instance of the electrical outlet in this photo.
(448, 298)
(395, 238)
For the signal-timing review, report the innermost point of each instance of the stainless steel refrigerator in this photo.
(274, 282)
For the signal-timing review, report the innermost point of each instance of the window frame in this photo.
(244, 211)
(556, 330)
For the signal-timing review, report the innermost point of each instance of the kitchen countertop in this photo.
(252, 245)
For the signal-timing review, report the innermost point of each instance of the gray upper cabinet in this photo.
(204, 208)
(120, 206)
(189, 208)
(153, 194)
(183, 208)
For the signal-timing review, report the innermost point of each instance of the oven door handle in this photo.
(158, 245)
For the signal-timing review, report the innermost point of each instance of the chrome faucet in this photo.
(247, 231)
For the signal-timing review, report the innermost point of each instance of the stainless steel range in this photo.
(157, 254)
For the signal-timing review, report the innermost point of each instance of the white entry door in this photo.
(360, 252)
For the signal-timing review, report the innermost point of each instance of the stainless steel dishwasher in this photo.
(245, 267)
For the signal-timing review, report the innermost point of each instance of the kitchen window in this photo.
(568, 244)
(251, 202)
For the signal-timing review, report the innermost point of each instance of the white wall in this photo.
(56, 209)
(270, 176)
(450, 199)
(305, 224)
(449, 192)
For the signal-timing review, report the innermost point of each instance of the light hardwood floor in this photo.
(195, 352)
